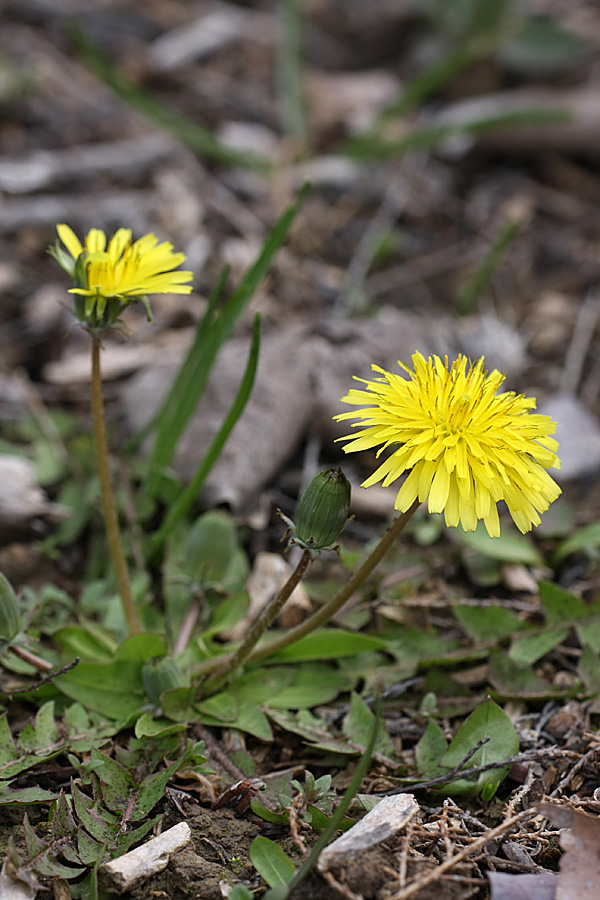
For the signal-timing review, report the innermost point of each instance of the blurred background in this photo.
(452, 152)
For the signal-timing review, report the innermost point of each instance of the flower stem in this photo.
(322, 615)
(111, 522)
(264, 620)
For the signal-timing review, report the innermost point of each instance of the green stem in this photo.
(109, 512)
(329, 609)
(264, 620)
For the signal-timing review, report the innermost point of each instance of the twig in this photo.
(215, 750)
(585, 326)
(42, 665)
(453, 774)
(529, 756)
(435, 874)
(297, 806)
(342, 889)
(185, 632)
(578, 765)
(520, 794)
(52, 673)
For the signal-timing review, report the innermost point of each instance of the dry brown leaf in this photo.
(539, 886)
(269, 429)
(579, 877)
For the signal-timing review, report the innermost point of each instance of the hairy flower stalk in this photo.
(107, 276)
(321, 515)
(464, 446)
(320, 617)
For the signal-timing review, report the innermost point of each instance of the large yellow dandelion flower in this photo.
(464, 446)
(118, 271)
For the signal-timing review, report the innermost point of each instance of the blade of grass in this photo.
(198, 139)
(185, 373)
(193, 376)
(185, 500)
(424, 86)
(182, 389)
(351, 791)
(428, 137)
(469, 295)
(430, 81)
(289, 71)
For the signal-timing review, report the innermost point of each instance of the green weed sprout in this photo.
(107, 276)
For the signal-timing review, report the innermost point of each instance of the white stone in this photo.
(383, 822)
(152, 857)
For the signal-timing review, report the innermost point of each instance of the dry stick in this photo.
(36, 661)
(108, 504)
(215, 751)
(435, 874)
(460, 772)
(187, 629)
(327, 611)
(454, 774)
(266, 618)
(587, 757)
(42, 665)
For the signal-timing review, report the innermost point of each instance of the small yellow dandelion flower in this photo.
(110, 274)
(465, 446)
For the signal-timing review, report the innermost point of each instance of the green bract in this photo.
(323, 509)
(159, 675)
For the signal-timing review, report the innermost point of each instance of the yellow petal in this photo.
(70, 240)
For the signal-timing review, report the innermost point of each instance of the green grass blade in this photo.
(185, 500)
(426, 138)
(351, 791)
(430, 82)
(182, 390)
(289, 71)
(198, 139)
(193, 376)
(187, 387)
(469, 295)
(258, 270)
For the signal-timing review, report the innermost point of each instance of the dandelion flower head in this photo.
(465, 446)
(117, 271)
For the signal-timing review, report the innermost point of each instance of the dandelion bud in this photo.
(10, 620)
(159, 675)
(323, 509)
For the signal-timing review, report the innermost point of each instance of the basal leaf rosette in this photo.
(464, 446)
(110, 274)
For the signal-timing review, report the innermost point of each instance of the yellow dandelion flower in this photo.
(465, 446)
(110, 274)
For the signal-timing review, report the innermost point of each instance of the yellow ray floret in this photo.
(124, 269)
(465, 447)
